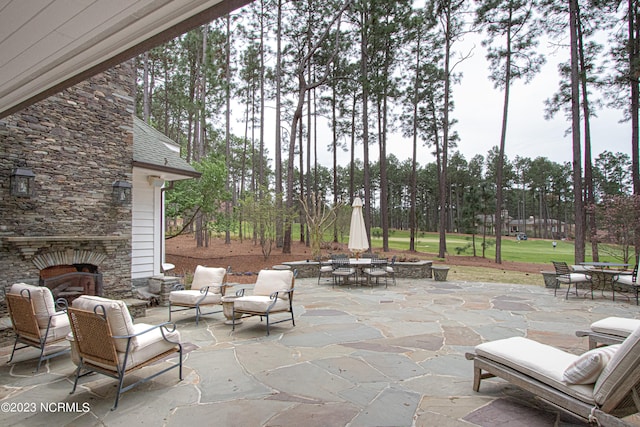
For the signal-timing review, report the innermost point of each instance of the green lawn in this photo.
(537, 251)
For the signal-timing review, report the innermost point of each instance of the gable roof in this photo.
(155, 151)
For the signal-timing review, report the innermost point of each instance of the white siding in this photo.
(145, 239)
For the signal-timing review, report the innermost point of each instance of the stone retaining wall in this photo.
(403, 270)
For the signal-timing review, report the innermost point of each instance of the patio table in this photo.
(603, 274)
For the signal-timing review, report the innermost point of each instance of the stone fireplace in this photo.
(77, 143)
(72, 265)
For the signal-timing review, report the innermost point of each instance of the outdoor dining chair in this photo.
(564, 274)
(342, 270)
(629, 280)
(377, 270)
(37, 321)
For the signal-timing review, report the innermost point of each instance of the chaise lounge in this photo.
(610, 330)
(599, 386)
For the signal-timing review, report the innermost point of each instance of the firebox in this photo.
(71, 281)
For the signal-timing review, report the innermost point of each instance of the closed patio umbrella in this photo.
(358, 241)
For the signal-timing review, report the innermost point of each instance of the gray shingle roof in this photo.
(150, 151)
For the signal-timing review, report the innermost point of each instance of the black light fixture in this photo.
(121, 192)
(22, 182)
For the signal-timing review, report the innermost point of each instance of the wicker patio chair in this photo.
(110, 344)
(37, 321)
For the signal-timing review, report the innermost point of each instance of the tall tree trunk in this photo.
(384, 185)
(227, 155)
(634, 74)
(278, 136)
(146, 107)
(414, 155)
(442, 246)
(503, 138)
(589, 193)
(579, 248)
(364, 57)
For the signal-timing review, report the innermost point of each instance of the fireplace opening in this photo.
(71, 281)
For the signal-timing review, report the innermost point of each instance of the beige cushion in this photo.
(60, 330)
(259, 303)
(326, 268)
(207, 276)
(145, 346)
(619, 326)
(270, 281)
(539, 361)
(117, 314)
(153, 336)
(187, 297)
(43, 303)
(624, 366)
(587, 368)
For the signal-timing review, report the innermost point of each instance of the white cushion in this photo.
(588, 367)
(151, 337)
(259, 303)
(270, 281)
(326, 268)
(42, 299)
(619, 326)
(187, 297)
(207, 276)
(141, 354)
(117, 313)
(540, 361)
(575, 278)
(626, 279)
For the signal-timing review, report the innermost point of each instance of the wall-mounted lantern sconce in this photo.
(22, 182)
(121, 192)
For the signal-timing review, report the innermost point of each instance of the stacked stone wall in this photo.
(77, 143)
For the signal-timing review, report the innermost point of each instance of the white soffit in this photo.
(46, 45)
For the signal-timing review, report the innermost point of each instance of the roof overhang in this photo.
(168, 174)
(49, 45)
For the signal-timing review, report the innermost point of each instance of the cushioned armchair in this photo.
(37, 321)
(272, 294)
(207, 290)
(109, 343)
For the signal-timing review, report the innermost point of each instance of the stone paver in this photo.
(358, 356)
